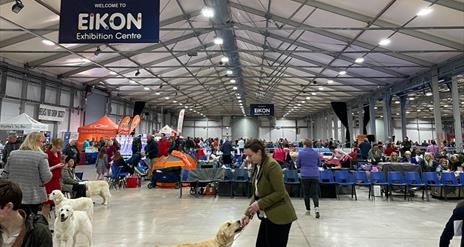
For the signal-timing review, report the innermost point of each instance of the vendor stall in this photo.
(103, 127)
(24, 123)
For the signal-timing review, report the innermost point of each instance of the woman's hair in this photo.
(30, 143)
(117, 155)
(57, 142)
(68, 159)
(256, 145)
(102, 153)
(308, 143)
(433, 142)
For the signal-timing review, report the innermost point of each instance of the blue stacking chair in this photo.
(327, 177)
(360, 178)
(448, 179)
(342, 178)
(413, 180)
(378, 178)
(291, 178)
(430, 179)
(117, 178)
(396, 179)
(461, 179)
(241, 177)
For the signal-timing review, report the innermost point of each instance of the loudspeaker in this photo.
(138, 107)
(371, 138)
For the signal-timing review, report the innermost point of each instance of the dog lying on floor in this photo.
(98, 188)
(224, 237)
(68, 224)
(79, 204)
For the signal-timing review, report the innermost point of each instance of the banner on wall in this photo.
(262, 109)
(109, 21)
(180, 121)
(51, 113)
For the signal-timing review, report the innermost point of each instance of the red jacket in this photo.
(279, 154)
(163, 147)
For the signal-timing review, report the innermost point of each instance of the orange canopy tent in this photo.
(103, 127)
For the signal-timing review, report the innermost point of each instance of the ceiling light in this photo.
(313, 93)
(419, 110)
(137, 73)
(428, 94)
(229, 72)
(375, 107)
(342, 72)
(234, 88)
(146, 88)
(302, 102)
(308, 98)
(233, 81)
(359, 60)
(424, 11)
(207, 12)
(330, 81)
(238, 97)
(445, 106)
(166, 98)
(157, 93)
(298, 104)
(385, 42)
(321, 88)
(174, 101)
(407, 112)
(397, 102)
(224, 59)
(397, 114)
(132, 82)
(411, 98)
(218, 41)
(48, 42)
(180, 103)
(112, 73)
(18, 6)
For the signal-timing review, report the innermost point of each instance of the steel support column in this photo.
(387, 119)
(457, 112)
(403, 101)
(373, 129)
(350, 123)
(436, 107)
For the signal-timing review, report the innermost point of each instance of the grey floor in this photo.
(142, 217)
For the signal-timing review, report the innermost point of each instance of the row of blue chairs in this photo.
(394, 179)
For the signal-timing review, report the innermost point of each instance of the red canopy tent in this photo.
(103, 127)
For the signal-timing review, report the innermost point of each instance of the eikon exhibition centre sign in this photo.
(109, 21)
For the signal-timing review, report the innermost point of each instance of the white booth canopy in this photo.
(23, 122)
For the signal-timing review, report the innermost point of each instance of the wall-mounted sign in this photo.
(51, 113)
(109, 21)
(262, 109)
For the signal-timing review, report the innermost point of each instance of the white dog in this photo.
(79, 204)
(68, 224)
(98, 188)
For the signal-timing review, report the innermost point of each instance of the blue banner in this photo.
(109, 21)
(262, 109)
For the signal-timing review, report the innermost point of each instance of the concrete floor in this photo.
(141, 217)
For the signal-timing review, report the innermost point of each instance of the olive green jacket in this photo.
(273, 197)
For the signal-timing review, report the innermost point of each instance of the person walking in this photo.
(270, 200)
(12, 145)
(308, 162)
(28, 167)
(226, 150)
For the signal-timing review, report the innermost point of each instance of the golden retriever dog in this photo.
(79, 204)
(98, 188)
(224, 237)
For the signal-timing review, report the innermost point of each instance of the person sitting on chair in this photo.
(69, 183)
(394, 157)
(408, 159)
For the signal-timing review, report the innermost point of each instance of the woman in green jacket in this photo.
(270, 200)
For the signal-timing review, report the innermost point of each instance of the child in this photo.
(102, 163)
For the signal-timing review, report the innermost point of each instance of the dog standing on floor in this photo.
(98, 188)
(224, 237)
(79, 204)
(68, 224)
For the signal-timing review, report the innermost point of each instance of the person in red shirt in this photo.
(55, 163)
(163, 146)
(279, 155)
(389, 150)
